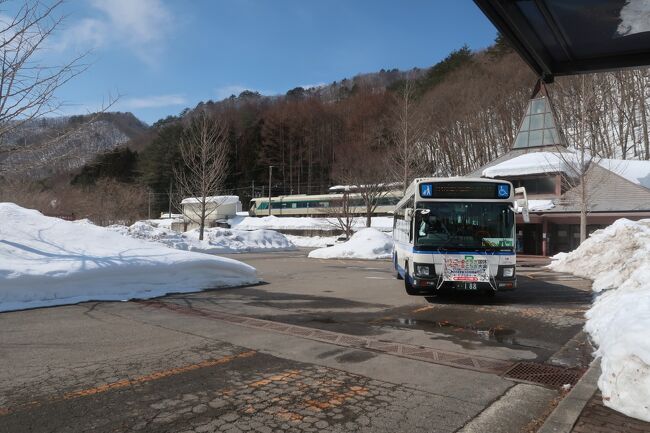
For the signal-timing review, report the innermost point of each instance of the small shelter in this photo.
(218, 210)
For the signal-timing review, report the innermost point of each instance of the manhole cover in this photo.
(543, 374)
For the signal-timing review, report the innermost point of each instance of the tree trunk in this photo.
(583, 212)
(202, 222)
(368, 216)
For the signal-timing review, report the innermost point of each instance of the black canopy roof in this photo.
(564, 37)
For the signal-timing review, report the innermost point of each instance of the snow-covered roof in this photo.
(218, 199)
(533, 163)
(540, 205)
(635, 171)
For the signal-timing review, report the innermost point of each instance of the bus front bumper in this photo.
(429, 286)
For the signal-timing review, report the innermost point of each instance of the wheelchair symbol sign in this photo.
(426, 190)
(503, 191)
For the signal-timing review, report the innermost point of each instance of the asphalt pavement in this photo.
(320, 345)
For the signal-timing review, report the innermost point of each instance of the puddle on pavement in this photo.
(499, 335)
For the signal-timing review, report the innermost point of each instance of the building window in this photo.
(537, 185)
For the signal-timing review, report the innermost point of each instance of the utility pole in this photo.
(149, 200)
(270, 174)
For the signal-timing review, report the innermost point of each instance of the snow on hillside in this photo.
(216, 240)
(47, 261)
(617, 259)
(367, 243)
(272, 222)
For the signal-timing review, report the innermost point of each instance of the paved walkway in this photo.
(596, 418)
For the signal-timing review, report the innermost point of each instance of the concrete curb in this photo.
(565, 415)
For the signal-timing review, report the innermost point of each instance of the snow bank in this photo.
(215, 240)
(617, 259)
(367, 243)
(272, 222)
(220, 241)
(47, 261)
(312, 241)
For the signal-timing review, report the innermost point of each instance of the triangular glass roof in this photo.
(538, 128)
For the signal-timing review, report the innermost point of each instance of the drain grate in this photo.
(543, 374)
(428, 354)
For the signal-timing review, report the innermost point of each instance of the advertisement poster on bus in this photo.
(466, 269)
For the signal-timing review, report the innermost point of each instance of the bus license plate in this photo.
(466, 286)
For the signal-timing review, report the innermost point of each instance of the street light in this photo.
(270, 174)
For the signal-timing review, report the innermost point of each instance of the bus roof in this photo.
(413, 187)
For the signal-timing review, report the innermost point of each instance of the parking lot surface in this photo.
(321, 345)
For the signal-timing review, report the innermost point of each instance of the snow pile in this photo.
(617, 259)
(368, 243)
(220, 241)
(47, 261)
(272, 222)
(215, 240)
(312, 241)
(164, 223)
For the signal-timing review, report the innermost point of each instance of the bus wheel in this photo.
(431, 299)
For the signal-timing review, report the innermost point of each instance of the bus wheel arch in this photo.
(396, 265)
(407, 281)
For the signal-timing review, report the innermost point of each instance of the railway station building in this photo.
(541, 161)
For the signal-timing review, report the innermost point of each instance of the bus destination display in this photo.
(466, 190)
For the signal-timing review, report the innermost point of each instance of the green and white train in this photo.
(321, 205)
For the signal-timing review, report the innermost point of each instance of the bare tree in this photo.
(28, 86)
(408, 132)
(582, 175)
(204, 154)
(365, 170)
(343, 213)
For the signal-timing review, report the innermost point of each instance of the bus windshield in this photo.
(475, 225)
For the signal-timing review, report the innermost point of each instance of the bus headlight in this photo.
(508, 272)
(423, 270)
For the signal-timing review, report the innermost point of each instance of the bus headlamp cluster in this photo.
(508, 272)
(424, 270)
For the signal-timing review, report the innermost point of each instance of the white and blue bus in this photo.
(456, 233)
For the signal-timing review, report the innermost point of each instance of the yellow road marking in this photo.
(129, 382)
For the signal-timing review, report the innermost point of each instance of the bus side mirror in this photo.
(522, 203)
(408, 215)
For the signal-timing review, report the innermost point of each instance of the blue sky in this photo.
(161, 56)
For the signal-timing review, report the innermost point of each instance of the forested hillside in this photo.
(44, 147)
(390, 125)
